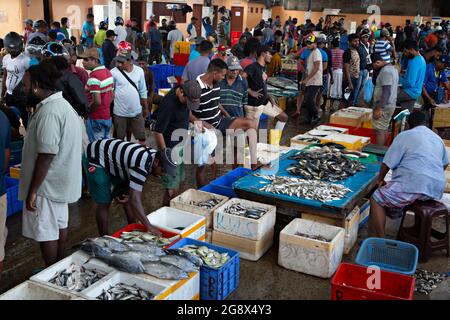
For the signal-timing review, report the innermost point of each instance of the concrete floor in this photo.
(258, 280)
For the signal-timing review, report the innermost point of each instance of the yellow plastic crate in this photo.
(351, 142)
(14, 172)
(182, 47)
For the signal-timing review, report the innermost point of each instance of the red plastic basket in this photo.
(180, 59)
(351, 281)
(363, 132)
(140, 227)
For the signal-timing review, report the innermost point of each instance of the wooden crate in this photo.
(183, 201)
(248, 249)
(441, 117)
(310, 256)
(351, 226)
(245, 227)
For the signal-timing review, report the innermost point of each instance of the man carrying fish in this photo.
(417, 158)
(118, 169)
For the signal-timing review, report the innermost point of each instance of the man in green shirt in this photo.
(100, 36)
(65, 27)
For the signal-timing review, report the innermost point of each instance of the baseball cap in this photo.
(385, 33)
(311, 39)
(445, 59)
(28, 21)
(233, 63)
(111, 33)
(193, 92)
(321, 38)
(165, 157)
(90, 53)
(221, 48)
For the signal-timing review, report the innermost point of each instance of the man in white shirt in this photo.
(130, 98)
(174, 35)
(120, 31)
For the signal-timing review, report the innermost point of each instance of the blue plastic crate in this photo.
(12, 196)
(160, 74)
(388, 255)
(215, 284)
(179, 71)
(224, 184)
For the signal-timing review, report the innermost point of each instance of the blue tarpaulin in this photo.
(356, 183)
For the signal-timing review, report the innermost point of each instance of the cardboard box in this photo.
(441, 116)
(347, 118)
(248, 249)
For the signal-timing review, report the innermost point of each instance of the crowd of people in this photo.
(82, 101)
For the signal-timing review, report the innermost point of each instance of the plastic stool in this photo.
(421, 232)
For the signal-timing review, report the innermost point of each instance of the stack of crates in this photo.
(181, 57)
(160, 74)
(235, 35)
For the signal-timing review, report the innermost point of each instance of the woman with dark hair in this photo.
(51, 162)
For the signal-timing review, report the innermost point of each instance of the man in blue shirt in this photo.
(155, 39)
(209, 30)
(417, 158)
(412, 80)
(435, 79)
(5, 138)
(88, 32)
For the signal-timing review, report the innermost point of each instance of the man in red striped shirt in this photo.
(99, 90)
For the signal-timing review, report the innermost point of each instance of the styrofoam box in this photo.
(166, 218)
(319, 133)
(157, 289)
(331, 129)
(79, 258)
(266, 153)
(347, 140)
(185, 289)
(295, 142)
(241, 226)
(314, 257)
(364, 211)
(182, 202)
(351, 226)
(30, 290)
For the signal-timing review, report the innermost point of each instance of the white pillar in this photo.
(112, 13)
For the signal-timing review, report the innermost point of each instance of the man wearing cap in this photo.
(365, 62)
(109, 49)
(28, 29)
(436, 81)
(117, 170)
(200, 64)
(196, 53)
(172, 115)
(233, 89)
(99, 90)
(130, 97)
(313, 79)
(352, 69)
(384, 97)
(383, 46)
(221, 53)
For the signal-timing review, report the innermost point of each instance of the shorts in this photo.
(235, 111)
(173, 182)
(135, 124)
(254, 113)
(98, 129)
(3, 229)
(102, 186)
(393, 199)
(224, 124)
(382, 124)
(44, 223)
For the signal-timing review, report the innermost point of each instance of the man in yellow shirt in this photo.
(100, 36)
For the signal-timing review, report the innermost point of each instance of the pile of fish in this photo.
(143, 257)
(242, 211)
(210, 257)
(327, 164)
(76, 278)
(308, 189)
(427, 281)
(311, 236)
(207, 205)
(140, 237)
(125, 292)
(308, 139)
(283, 83)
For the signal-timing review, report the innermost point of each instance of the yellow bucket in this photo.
(275, 137)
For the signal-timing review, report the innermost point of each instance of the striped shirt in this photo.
(209, 104)
(100, 81)
(233, 98)
(383, 48)
(126, 160)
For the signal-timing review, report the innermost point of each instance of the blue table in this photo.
(361, 184)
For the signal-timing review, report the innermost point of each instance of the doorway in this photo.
(138, 10)
(237, 19)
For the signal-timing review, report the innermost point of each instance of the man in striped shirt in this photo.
(212, 115)
(118, 169)
(99, 90)
(383, 46)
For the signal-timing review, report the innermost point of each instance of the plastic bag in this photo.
(368, 91)
(204, 144)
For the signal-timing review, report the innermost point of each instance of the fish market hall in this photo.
(145, 159)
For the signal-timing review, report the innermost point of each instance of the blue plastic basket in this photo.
(388, 255)
(212, 189)
(12, 196)
(160, 74)
(215, 284)
(179, 71)
(224, 184)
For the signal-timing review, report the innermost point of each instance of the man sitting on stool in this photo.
(418, 159)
